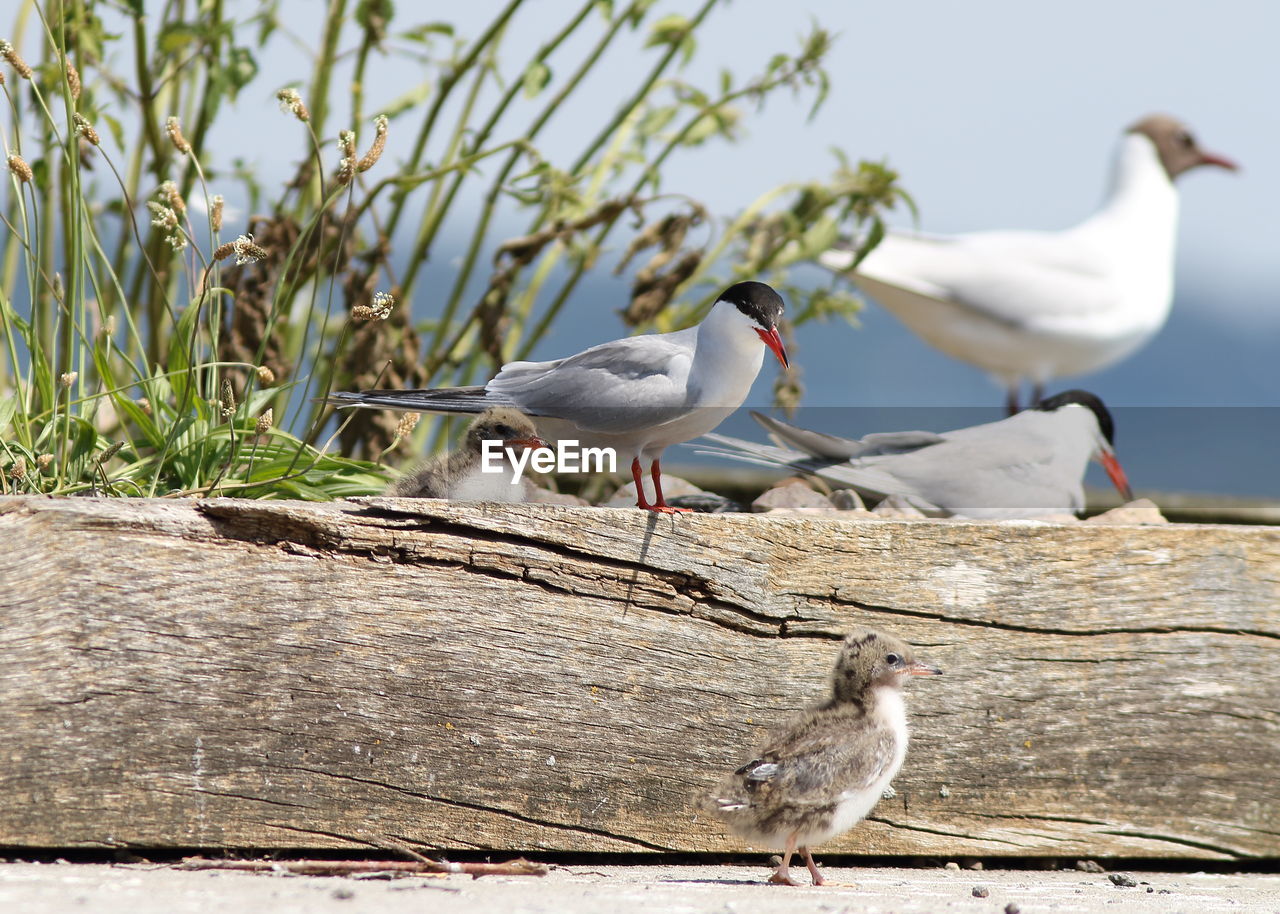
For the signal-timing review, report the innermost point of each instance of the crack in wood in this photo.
(694, 588)
(481, 807)
(230, 794)
(939, 831)
(1046, 630)
(1180, 842)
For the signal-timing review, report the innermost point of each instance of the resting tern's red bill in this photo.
(1028, 465)
(637, 395)
(1033, 306)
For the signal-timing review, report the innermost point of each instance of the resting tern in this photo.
(1028, 465)
(1033, 306)
(824, 773)
(461, 475)
(636, 395)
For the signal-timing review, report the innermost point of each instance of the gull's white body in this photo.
(1033, 306)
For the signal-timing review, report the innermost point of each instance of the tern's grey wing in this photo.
(833, 447)
(989, 471)
(872, 480)
(614, 387)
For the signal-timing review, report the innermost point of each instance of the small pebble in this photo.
(1012, 908)
(847, 500)
(944, 792)
(1150, 890)
(792, 494)
(343, 894)
(895, 506)
(976, 865)
(981, 891)
(1123, 879)
(1089, 866)
(951, 865)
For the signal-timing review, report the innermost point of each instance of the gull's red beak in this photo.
(532, 443)
(1210, 158)
(774, 342)
(1116, 472)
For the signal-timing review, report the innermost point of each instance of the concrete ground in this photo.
(36, 888)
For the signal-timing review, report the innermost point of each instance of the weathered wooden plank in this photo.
(523, 677)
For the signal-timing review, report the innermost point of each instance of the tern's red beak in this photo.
(1116, 472)
(1210, 158)
(923, 669)
(774, 342)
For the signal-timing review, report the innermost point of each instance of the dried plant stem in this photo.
(436, 354)
(553, 311)
(437, 207)
(442, 94)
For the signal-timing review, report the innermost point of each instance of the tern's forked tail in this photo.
(441, 400)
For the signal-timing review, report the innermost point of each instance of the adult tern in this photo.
(1030, 464)
(1033, 306)
(637, 395)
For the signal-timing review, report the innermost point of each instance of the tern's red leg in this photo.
(813, 867)
(641, 502)
(660, 503)
(780, 875)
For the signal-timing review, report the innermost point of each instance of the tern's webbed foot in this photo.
(781, 877)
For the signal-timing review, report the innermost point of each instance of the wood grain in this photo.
(230, 673)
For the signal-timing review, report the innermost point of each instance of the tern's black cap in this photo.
(1083, 398)
(757, 301)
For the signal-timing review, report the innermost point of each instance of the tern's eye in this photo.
(1186, 140)
(892, 659)
(505, 431)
